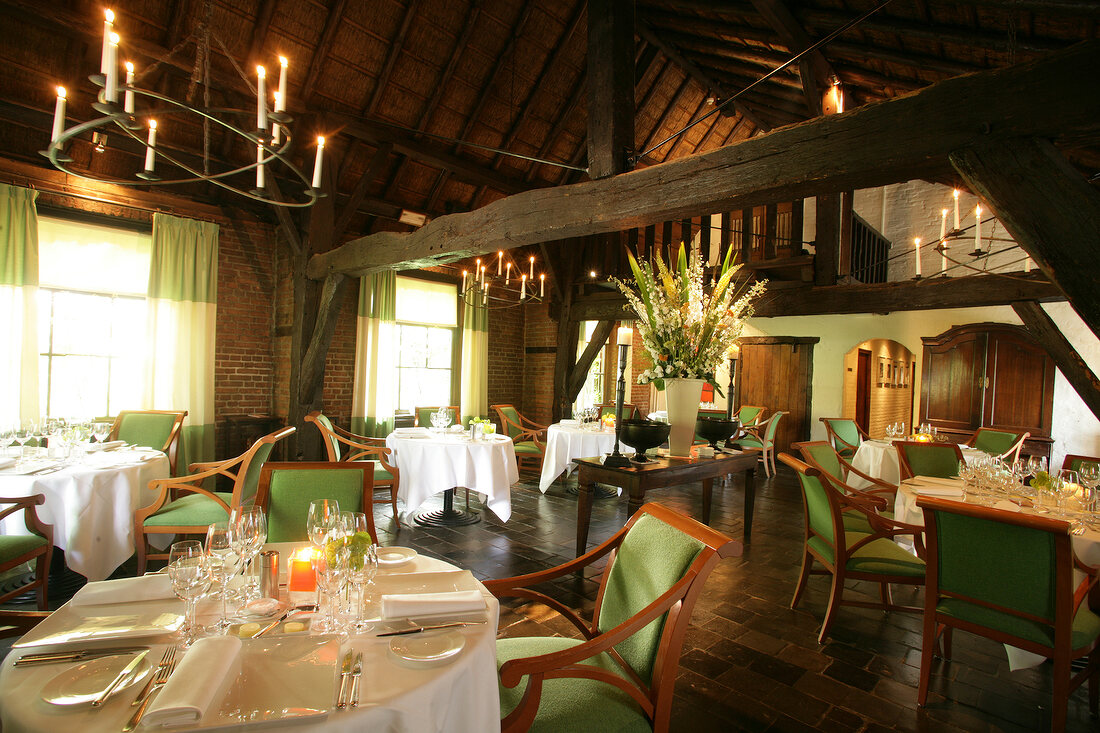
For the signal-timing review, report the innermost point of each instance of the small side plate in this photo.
(392, 557)
(429, 648)
(83, 683)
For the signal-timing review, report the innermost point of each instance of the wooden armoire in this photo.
(988, 375)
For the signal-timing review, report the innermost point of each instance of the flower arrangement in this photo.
(685, 330)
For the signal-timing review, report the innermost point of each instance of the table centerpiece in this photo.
(687, 329)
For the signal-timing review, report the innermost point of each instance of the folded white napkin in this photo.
(407, 431)
(1006, 505)
(569, 423)
(404, 605)
(8, 462)
(936, 481)
(209, 666)
(929, 490)
(125, 590)
(94, 447)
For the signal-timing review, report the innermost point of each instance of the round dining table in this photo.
(437, 461)
(90, 503)
(566, 441)
(282, 677)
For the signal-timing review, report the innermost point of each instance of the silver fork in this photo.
(159, 679)
(165, 661)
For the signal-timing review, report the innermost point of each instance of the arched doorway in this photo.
(878, 385)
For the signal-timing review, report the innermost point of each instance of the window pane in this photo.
(423, 388)
(81, 324)
(84, 256)
(78, 387)
(413, 351)
(128, 328)
(127, 377)
(439, 348)
(427, 301)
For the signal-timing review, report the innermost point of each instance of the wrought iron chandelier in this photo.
(513, 283)
(266, 128)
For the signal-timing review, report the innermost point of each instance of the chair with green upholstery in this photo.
(917, 458)
(1009, 576)
(850, 553)
(286, 489)
(620, 675)
(1003, 444)
(879, 494)
(184, 506)
(424, 415)
(387, 479)
(844, 434)
(1073, 461)
(750, 414)
(158, 429)
(528, 436)
(762, 438)
(17, 549)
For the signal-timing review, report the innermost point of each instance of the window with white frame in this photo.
(427, 335)
(91, 317)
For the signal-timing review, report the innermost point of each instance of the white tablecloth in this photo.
(564, 443)
(459, 697)
(431, 463)
(91, 506)
(879, 458)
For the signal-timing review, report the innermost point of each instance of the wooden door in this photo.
(777, 372)
(953, 379)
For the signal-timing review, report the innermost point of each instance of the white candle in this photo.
(955, 193)
(625, 335)
(483, 276)
(523, 287)
(318, 160)
(276, 131)
(943, 256)
(464, 281)
(261, 179)
(110, 91)
(128, 97)
(59, 115)
(478, 269)
(500, 261)
(151, 147)
(916, 253)
(978, 228)
(261, 99)
(108, 26)
(943, 224)
(508, 274)
(532, 261)
(280, 95)
(542, 285)
(485, 296)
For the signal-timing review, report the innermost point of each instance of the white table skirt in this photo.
(91, 507)
(879, 458)
(434, 462)
(460, 697)
(564, 443)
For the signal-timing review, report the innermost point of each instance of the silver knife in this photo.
(71, 655)
(118, 680)
(356, 672)
(418, 629)
(341, 698)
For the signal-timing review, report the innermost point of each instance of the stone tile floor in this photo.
(750, 663)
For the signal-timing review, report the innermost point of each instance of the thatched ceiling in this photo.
(511, 75)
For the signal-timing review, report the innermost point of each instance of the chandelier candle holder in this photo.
(142, 122)
(508, 289)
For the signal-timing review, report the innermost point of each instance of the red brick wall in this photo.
(540, 347)
(506, 357)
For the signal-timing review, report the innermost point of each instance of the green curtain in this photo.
(475, 361)
(18, 304)
(374, 391)
(182, 303)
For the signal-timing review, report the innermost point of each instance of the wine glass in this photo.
(222, 560)
(7, 437)
(190, 577)
(330, 567)
(1066, 483)
(22, 433)
(248, 530)
(362, 562)
(1089, 473)
(323, 517)
(101, 431)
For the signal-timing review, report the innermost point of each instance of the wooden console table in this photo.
(658, 474)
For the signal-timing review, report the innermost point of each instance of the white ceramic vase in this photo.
(682, 400)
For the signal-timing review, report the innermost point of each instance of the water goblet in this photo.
(1066, 483)
(7, 437)
(1089, 474)
(222, 560)
(330, 567)
(22, 433)
(190, 576)
(248, 527)
(362, 562)
(101, 431)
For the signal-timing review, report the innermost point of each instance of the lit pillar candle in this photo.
(261, 179)
(978, 228)
(523, 287)
(151, 147)
(128, 96)
(943, 256)
(280, 94)
(483, 276)
(485, 296)
(531, 259)
(59, 114)
(625, 335)
(464, 281)
(542, 285)
(477, 272)
(108, 27)
(500, 262)
(916, 253)
(955, 193)
(508, 274)
(318, 160)
(110, 90)
(302, 576)
(261, 99)
(943, 224)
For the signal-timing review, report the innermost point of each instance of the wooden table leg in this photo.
(708, 485)
(584, 511)
(750, 500)
(635, 500)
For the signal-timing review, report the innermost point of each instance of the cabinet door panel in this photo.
(951, 384)
(1021, 385)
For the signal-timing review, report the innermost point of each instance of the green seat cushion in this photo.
(191, 510)
(1086, 624)
(748, 442)
(381, 475)
(856, 522)
(13, 546)
(573, 704)
(880, 557)
(528, 446)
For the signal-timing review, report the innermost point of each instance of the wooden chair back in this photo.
(1003, 444)
(361, 448)
(1073, 461)
(424, 415)
(158, 429)
(287, 488)
(19, 553)
(844, 434)
(630, 412)
(917, 458)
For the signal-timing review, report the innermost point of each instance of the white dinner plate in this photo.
(140, 624)
(428, 648)
(83, 683)
(392, 557)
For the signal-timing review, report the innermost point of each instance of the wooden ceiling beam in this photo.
(815, 69)
(394, 51)
(679, 140)
(320, 52)
(260, 29)
(887, 142)
(575, 96)
(351, 208)
(673, 104)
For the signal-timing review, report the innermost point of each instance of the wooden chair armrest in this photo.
(26, 504)
(1087, 584)
(868, 498)
(876, 481)
(203, 466)
(502, 587)
(164, 486)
